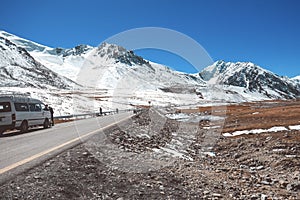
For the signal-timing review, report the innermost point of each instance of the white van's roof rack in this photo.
(16, 94)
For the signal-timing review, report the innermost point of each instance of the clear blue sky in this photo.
(266, 32)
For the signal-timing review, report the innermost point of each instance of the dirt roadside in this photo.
(262, 166)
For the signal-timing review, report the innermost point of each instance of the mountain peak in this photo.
(120, 54)
(110, 50)
(221, 67)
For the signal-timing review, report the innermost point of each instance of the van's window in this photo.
(5, 107)
(35, 107)
(21, 107)
(38, 107)
(43, 106)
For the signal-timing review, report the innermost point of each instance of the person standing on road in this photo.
(51, 112)
(100, 111)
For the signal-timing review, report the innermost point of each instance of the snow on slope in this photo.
(66, 62)
(296, 81)
(26, 44)
(297, 78)
(60, 100)
(19, 68)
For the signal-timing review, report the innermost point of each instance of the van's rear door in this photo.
(5, 113)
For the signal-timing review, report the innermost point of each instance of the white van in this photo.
(21, 113)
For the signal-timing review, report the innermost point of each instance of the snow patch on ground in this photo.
(256, 131)
(295, 127)
(193, 117)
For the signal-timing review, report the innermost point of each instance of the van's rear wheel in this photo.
(24, 127)
(47, 123)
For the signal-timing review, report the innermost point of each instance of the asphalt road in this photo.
(19, 152)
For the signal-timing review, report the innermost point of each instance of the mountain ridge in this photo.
(251, 77)
(64, 61)
(112, 62)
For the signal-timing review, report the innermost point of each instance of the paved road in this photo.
(19, 150)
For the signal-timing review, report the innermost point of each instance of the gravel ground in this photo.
(167, 162)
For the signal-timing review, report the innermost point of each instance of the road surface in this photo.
(21, 151)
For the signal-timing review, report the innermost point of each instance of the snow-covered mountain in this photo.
(130, 80)
(108, 65)
(118, 75)
(115, 75)
(251, 77)
(19, 69)
(66, 62)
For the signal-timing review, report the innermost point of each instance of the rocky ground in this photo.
(153, 157)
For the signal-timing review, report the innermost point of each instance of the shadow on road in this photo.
(17, 132)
